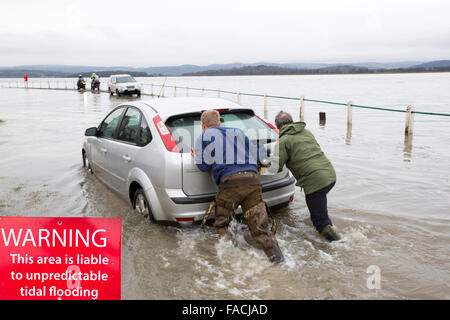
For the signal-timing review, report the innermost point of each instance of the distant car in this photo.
(137, 150)
(123, 84)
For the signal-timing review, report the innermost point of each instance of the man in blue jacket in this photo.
(233, 161)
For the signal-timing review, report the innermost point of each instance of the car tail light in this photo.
(185, 219)
(268, 123)
(291, 198)
(165, 134)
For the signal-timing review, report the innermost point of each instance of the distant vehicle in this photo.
(134, 152)
(123, 84)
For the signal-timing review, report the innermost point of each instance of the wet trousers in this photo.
(317, 205)
(244, 189)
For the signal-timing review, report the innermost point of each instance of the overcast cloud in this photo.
(158, 33)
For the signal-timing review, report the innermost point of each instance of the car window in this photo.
(108, 126)
(125, 79)
(145, 134)
(185, 128)
(130, 125)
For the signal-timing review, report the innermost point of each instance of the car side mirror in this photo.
(91, 132)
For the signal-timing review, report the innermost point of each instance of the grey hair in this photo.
(283, 118)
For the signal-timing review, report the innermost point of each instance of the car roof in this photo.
(167, 107)
(120, 75)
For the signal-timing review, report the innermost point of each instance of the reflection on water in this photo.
(407, 150)
(322, 119)
(391, 213)
(348, 136)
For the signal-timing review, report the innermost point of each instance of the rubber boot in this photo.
(330, 234)
(274, 253)
(258, 224)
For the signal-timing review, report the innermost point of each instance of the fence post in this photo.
(349, 114)
(152, 89)
(238, 98)
(302, 108)
(409, 124)
(218, 93)
(175, 91)
(266, 116)
(203, 92)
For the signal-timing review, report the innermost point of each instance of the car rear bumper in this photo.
(208, 198)
(186, 210)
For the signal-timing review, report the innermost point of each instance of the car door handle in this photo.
(103, 150)
(126, 158)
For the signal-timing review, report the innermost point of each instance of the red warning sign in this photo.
(60, 258)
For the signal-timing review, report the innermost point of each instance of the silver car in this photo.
(142, 151)
(123, 84)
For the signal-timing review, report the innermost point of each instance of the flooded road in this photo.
(391, 204)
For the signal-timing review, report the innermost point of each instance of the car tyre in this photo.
(139, 93)
(118, 93)
(141, 204)
(86, 163)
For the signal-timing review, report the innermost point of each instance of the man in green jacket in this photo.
(302, 155)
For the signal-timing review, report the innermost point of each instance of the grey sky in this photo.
(157, 33)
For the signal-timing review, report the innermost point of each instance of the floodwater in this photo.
(391, 201)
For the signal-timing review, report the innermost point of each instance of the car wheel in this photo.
(86, 163)
(110, 92)
(138, 93)
(141, 204)
(118, 93)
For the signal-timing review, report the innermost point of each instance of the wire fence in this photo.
(159, 90)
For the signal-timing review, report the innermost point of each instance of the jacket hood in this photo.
(292, 128)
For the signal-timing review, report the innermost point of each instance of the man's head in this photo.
(282, 119)
(209, 119)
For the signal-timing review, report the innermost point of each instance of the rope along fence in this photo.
(70, 85)
(409, 110)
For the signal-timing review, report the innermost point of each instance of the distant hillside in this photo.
(267, 70)
(66, 68)
(340, 69)
(37, 71)
(32, 74)
(188, 68)
(434, 64)
(194, 69)
(109, 73)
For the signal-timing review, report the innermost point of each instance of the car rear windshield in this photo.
(186, 129)
(125, 79)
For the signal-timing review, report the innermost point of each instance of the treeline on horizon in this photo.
(246, 70)
(273, 70)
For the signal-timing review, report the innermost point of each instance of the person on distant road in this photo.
(81, 84)
(302, 155)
